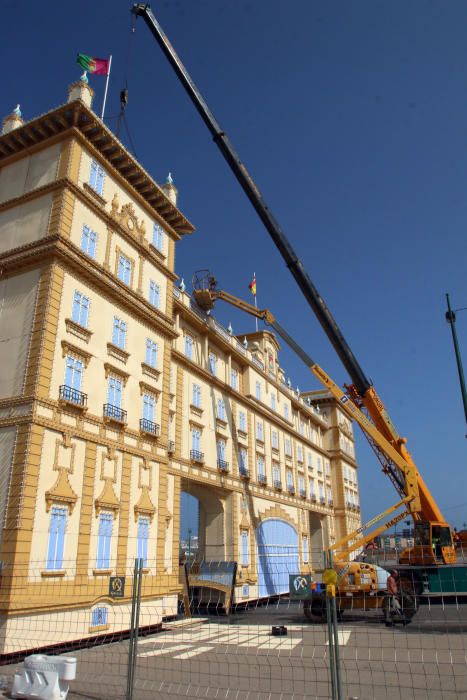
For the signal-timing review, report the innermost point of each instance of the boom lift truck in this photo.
(433, 549)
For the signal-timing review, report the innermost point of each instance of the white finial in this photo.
(17, 111)
(182, 285)
(245, 343)
(298, 391)
(84, 77)
(169, 179)
(229, 328)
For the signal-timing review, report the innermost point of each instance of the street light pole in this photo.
(451, 319)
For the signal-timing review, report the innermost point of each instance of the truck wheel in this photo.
(315, 609)
(408, 605)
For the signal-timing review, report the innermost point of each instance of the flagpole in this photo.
(106, 86)
(256, 304)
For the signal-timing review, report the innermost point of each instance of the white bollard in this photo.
(42, 677)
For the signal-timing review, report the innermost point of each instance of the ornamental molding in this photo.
(70, 349)
(145, 506)
(107, 499)
(111, 369)
(126, 217)
(61, 492)
(273, 512)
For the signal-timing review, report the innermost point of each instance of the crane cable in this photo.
(124, 92)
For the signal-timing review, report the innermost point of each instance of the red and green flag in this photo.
(98, 66)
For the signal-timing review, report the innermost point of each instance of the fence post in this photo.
(335, 631)
(134, 627)
(332, 661)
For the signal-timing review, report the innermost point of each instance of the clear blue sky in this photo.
(352, 118)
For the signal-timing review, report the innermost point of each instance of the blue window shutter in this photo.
(100, 180)
(104, 540)
(244, 548)
(115, 392)
(143, 532)
(99, 617)
(58, 518)
(92, 244)
(84, 311)
(93, 175)
(148, 407)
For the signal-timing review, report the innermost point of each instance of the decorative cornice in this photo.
(75, 118)
(53, 248)
(111, 369)
(142, 246)
(75, 350)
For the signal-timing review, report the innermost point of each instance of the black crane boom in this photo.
(291, 259)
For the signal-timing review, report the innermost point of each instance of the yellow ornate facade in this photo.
(117, 394)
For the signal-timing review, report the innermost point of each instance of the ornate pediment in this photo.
(61, 492)
(127, 218)
(107, 499)
(144, 506)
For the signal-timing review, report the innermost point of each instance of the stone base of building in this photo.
(33, 631)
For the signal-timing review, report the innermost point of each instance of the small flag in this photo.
(252, 285)
(98, 66)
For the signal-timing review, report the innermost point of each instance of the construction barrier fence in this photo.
(187, 633)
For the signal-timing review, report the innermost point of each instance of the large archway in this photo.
(213, 508)
(277, 551)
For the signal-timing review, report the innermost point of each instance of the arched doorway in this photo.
(212, 508)
(277, 551)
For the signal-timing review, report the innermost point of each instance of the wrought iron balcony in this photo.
(302, 493)
(278, 484)
(171, 447)
(244, 472)
(330, 503)
(291, 488)
(262, 479)
(322, 500)
(147, 426)
(313, 497)
(67, 393)
(196, 456)
(115, 413)
(222, 465)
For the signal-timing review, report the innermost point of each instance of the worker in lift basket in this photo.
(393, 600)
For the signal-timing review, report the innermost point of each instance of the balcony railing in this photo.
(291, 488)
(67, 393)
(330, 503)
(262, 479)
(278, 484)
(115, 413)
(244, 472)
(222, 465)
(171, 447)
(313, 498)
(322, 500)
(147, 426)
(196, 456)
(302, 493)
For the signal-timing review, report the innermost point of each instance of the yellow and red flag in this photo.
(252, 285)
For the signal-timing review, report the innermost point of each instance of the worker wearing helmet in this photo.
(392, 602)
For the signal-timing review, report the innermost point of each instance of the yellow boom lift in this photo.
(433, 549)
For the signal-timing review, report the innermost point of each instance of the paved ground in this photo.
(237, 658)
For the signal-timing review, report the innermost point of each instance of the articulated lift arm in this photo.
(361, 390)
